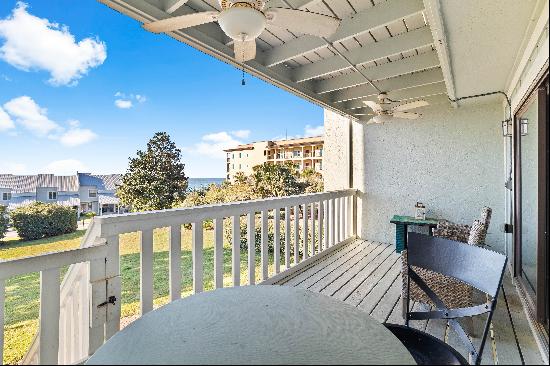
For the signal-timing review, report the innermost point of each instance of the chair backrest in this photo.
(478, 267)
(475, 266)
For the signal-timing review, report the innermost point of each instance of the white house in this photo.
(84, 192)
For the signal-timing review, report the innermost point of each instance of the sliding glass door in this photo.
(531, 143)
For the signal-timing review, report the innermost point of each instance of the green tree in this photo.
(312, 181)
(275, 180)
(4, 220)
(155, 179)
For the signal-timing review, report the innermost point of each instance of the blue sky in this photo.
(84, 87)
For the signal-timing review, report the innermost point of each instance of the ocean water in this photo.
(203, 182)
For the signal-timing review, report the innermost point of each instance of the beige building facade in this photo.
(306, 153)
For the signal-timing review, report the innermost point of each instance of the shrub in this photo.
(4, 220)
(228, 233)
(39, 220)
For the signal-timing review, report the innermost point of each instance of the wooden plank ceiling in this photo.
(388, 41)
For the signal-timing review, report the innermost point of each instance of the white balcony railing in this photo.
(77, 316)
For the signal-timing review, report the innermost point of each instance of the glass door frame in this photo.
(539, 303)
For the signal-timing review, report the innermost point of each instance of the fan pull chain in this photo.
(243, 82)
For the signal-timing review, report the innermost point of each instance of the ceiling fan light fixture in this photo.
(237, 22)
(381, 118)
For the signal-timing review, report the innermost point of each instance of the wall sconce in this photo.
(507, 128)
(523, 125)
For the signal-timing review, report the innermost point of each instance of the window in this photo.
(296, 153)
(92, 193)
(6, 196)
(240, 155)
(52, 195)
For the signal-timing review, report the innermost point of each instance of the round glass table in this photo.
(254, 325)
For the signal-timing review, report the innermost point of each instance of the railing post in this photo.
(197, 257)
(320, 223)
(287, 237)
(264, 248)
(296, 235)
(343, 218)
(218, 252)
(146, 272)
(355, 216)
(277, 240)
(251, 232)
(332, 222)
(112, 276)
(305, 230)
(98, 315)
(313, 228)
(236, 250)
(174, 264)
(49, 317)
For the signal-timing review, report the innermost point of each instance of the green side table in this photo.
(401, 227)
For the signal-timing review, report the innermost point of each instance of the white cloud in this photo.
(33, 43)
(314, 130)
(65, 167)
(31, 116)
(123, 103)
(141, 98)
(6, 122)
(76, 136)
(126, 101)
(213, 144)
(242, 134)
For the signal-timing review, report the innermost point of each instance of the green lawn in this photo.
(22, 293)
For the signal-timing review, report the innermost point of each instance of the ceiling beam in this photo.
(374, 17)
(403, 94)
(170, 6)
(370, 52)
(296, 4)
(437, 25)
(396, 83)
(407, 65)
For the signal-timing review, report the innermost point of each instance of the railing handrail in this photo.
(154, 219)
(20, 266)
(86, 318)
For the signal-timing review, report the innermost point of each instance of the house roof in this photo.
(108, 182)
(63, 200)
(105, 199)
(68, 183)
(29, 183)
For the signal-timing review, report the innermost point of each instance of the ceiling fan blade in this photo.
(412, 105)
(298, 21)
(244, 50)
(180, 22)
(406, 115)
(373, 105)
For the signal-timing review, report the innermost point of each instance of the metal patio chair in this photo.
(480, 268)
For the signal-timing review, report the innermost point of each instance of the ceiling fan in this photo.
(384, 112)
(245, 20)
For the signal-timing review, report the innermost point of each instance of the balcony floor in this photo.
(366, 274)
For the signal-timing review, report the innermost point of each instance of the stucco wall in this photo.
(451, 160)
(336, 152)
